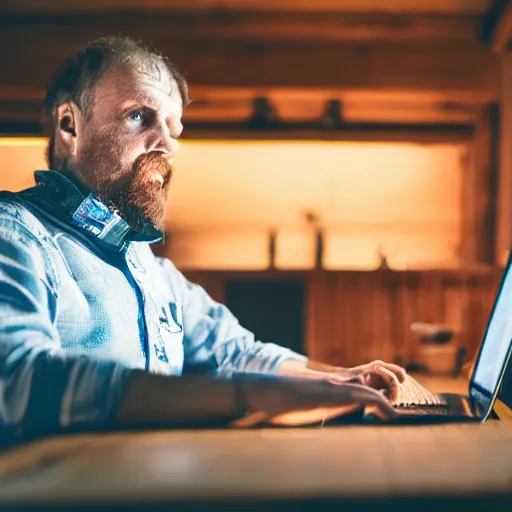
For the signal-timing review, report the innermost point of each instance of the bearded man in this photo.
(95, 331)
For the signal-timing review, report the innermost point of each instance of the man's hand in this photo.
(303, 401)
(378, 375)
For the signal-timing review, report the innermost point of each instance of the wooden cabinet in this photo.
(354, 317)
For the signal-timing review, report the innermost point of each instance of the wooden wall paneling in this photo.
(415, 294)
(470, 305)
(490, 119)
(402, 317)
(354, 332)
(333, 328)
(504, 203)
(341, 317)
(393, 346)
(321, 333)
(458, 71)
(468, 245)
(437, 297)
(408, 312)
(356, 317)
(390, 340)
(454, 302)
(482, 295)
(380, 344)
(443, 66)
(360, 318)
(265, 52)
(376, 321)
(465, 300)
(336, 314)
(311, 312)
(479, 195)
(475, 319)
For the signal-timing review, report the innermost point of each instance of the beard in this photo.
(138, 193)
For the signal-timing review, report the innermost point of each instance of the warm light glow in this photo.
(20, 158)
(227, 196)
(295, 249)
(403, 198)
(231, 250)
(23, 141)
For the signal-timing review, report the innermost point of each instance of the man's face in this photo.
(126, 147)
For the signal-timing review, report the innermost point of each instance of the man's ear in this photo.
(67, 128)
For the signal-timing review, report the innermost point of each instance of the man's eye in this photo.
(136, 116)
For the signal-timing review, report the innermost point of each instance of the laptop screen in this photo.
(496, 344)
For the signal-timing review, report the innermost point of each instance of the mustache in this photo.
(155, 161)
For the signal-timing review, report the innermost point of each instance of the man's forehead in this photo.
(143, 80)
(154, 74)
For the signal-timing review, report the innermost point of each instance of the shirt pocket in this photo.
(170, 317)
(170, 352)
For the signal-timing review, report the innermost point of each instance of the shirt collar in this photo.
(85, 211)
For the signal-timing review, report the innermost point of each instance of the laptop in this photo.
(490, 366)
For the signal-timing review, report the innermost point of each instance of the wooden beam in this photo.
(214, 105)
(319, 26)
(30, 54)
(487, 140)
(354, 132)
(397, 6)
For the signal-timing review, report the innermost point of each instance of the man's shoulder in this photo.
(12, 207)
(16, 216)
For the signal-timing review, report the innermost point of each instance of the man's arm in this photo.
(43, 389)
(215, 340)
(247, 398)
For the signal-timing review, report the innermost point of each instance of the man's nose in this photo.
(163, 142)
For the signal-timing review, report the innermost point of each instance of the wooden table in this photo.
(339, 468)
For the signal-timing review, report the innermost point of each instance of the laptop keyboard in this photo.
(423, 410)
(412, 393)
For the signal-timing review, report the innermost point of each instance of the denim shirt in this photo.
(84, 301)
